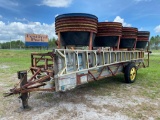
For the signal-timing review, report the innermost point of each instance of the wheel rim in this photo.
(133, 74)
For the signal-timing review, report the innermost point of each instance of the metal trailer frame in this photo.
(82, 66)
(64, 69)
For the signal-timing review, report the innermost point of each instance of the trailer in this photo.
(83, 56)
(65, 69)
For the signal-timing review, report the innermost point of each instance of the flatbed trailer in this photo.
(65, 69)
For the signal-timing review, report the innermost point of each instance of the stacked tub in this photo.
(142, 39)
(108, 34)
(76, 28)
(129, 37)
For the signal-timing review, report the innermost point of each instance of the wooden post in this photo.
(31, 59)
(46, 63)
(34, 62)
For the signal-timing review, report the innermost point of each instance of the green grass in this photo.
(150, 77)
(155, 51)
(12, 61)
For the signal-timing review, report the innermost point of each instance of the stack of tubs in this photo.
(76, 28)
(142, 39)
(108, 34)
(81, 29)
(129, 37)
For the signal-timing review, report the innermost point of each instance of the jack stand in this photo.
(22, 75)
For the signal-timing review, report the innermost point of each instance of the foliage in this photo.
(19, 44)
(51, 43)
(155, 42)
(13, 44)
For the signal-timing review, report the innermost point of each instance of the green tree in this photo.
(13, 45)
(155, 42)
(51, 43)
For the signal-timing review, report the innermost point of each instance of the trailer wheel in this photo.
(130, 73)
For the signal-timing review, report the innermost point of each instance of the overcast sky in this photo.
(18, 17)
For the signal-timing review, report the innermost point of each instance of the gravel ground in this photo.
(84, 103)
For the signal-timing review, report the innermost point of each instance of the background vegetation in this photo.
(21, 45)
(154, 44)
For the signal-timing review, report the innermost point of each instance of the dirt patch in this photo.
(80, 104)
(4, 67)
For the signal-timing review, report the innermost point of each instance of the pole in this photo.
(10, 42)
(22, 75)
(91, 41)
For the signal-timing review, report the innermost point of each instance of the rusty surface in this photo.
(109, 29)
(34, 82)
(108, 35)
(129, 32)
(90, 41)
(143, 36)
(80, 22)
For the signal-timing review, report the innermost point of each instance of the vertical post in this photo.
(91, 41)
(46, 63)
(34, 62)
(31, 59)
(135, 44)
(56, 65)
(22, 75)
(119, 38)
(10, 43)
(59, 40)
(148, 48)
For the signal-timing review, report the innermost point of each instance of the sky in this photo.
(18, 17)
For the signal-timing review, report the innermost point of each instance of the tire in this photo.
(130, 73)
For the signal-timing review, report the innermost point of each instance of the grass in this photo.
(15, 60)
(149, 77)
(155, 51)
(12, 61)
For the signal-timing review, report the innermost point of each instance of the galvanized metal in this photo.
(74, 61)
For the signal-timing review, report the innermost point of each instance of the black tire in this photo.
(130, 73)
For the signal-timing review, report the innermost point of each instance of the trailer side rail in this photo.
(74, 61)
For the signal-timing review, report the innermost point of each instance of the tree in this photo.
(51, 43)
(155, 42)
(13, 45)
